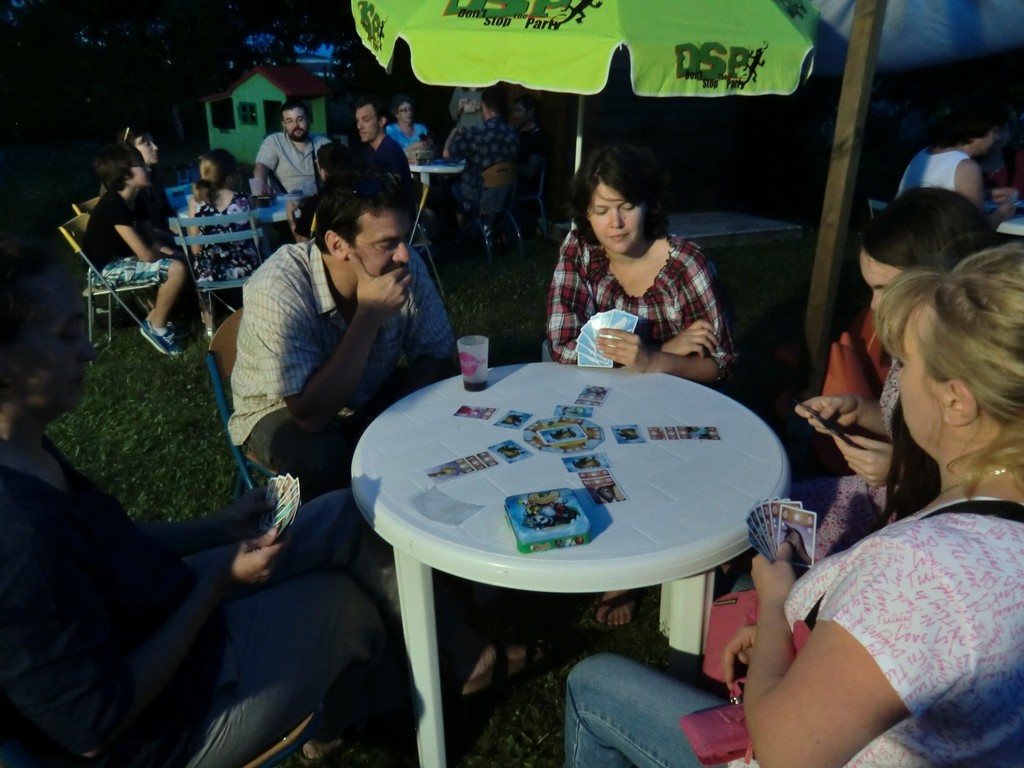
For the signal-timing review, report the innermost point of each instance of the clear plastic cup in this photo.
(473, 362)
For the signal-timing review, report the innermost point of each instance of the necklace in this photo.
(993, 473)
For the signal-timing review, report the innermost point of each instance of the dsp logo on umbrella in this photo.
(676, 47)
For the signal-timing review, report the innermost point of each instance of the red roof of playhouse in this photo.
(294, 80)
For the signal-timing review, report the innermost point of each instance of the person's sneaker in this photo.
(165, 343)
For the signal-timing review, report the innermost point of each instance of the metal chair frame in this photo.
(85, 206)
(95, 284)
(220, 362)
(495, 209)
(419, 239)
(207, 290)
(538, 198)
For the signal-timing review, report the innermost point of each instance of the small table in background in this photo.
(685, 513)
(439, 167)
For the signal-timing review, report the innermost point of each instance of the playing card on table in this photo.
(513, 420)
(446, 471)
(475, 412)
(586, 463)
(592, 395)
(601, 487)
(509, 451)
(574, 411)
(627, 433)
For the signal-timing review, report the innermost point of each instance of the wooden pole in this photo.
(865, 37)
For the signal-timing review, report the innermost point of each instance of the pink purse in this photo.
(728, 614)
(719, 734)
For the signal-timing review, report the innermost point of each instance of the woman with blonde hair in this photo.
(216, 193)
(917, 633)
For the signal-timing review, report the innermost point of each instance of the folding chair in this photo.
(495, 210)
(419, 239)
(538, 198)
(85, 207)
(188, 228)
(220, 362)
(95, 284)
(178, 196)
(13, 755)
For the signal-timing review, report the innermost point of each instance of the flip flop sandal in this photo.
(505, 668)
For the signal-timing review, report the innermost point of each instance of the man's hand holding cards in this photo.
(284, 491)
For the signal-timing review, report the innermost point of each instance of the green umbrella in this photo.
(677, 47)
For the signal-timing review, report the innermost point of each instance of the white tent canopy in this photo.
(856, 38)
(922, 33)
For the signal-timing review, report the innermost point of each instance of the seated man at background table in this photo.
(493, 142)
(324, 327)
(289, 155)
(331, 158)
(382, 151)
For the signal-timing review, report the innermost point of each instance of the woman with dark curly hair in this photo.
(620, 256)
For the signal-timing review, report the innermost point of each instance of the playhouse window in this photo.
(222, 115)
(247, 113)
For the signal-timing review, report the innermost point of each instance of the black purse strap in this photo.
(1008, 510)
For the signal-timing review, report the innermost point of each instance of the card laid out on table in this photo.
(475, 412)
(513, 420)
(509, 451)
(772, 522)
(586, 342)
(284, 491)
(602, 487)
(462, 466)
(592, 395)
(574, 411)
(683, 433)
(586, 462)
(627, 433)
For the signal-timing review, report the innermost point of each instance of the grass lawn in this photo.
(148, 433)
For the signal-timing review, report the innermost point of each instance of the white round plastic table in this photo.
(1014, 226)
(685, 513)
(444, 168)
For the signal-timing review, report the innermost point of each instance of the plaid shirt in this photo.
(292, 325)
(685, 290)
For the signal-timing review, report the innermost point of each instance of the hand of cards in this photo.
(586, 344)
(284, 491)
(775, 521)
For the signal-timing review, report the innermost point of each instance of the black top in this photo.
(103, 244)
(389, 157)
(81, 587)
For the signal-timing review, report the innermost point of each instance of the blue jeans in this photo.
(620, 713)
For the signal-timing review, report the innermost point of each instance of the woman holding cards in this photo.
(924, 229)
(913, 658)
(149, 644)
(619, 257)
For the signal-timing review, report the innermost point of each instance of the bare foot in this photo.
(314, 751)
(616, 608)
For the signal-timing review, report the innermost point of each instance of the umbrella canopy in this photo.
(676, 47)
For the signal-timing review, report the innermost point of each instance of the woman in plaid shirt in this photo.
(620, 256)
